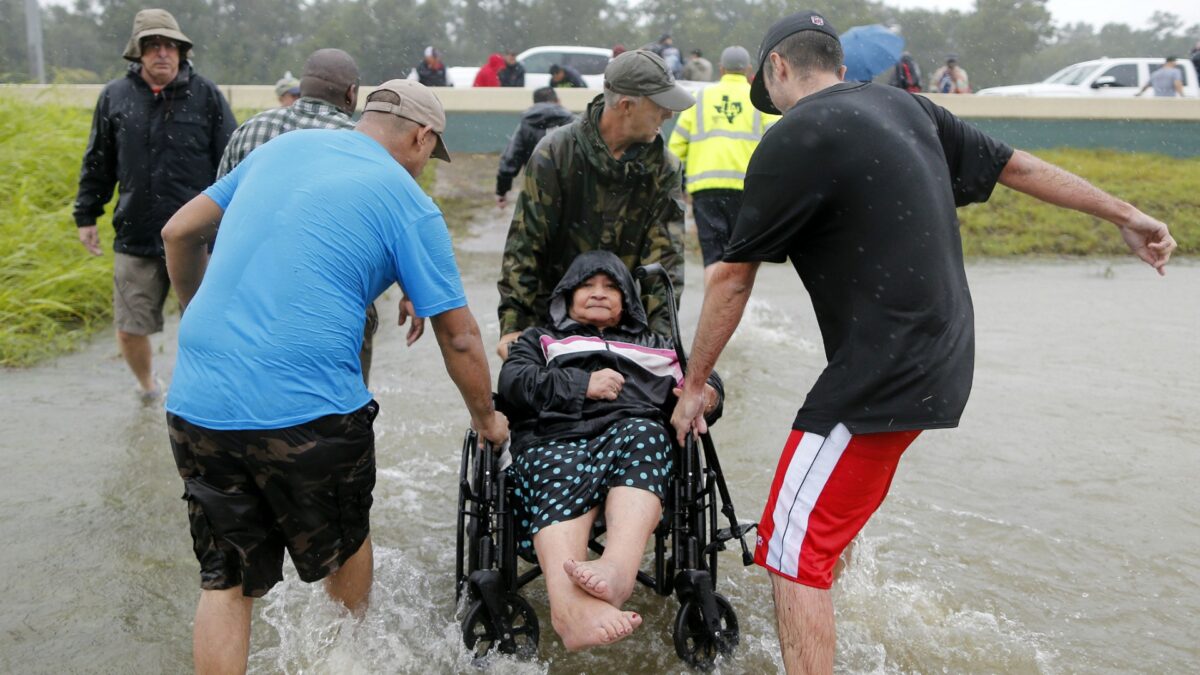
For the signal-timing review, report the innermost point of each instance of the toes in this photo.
(634, 619)
(595, 582)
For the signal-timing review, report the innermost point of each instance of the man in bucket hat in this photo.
(270, 421)
(605, 181)
(158, 133)
(857, 185)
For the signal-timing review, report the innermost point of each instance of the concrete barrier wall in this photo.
(481, 120)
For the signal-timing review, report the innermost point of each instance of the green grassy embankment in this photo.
(1013, 224)
(52, 294)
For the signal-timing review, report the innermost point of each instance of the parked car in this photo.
(589, 61)
(1105, 78)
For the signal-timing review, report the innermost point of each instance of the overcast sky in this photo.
(1096, 12)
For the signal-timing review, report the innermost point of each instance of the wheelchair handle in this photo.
(644, 271)
(656, 269)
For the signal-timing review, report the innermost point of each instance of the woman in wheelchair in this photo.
(588, 397)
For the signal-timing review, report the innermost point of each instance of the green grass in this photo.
(1013, 224)
(53, 294)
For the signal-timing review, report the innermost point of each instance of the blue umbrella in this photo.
(870, 50)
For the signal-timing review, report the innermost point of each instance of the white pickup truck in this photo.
(1105, 78)
(589, 61)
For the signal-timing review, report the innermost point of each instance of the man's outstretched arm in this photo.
(1147, 237)
(724, 302)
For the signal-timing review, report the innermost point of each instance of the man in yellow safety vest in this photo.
(714, 141)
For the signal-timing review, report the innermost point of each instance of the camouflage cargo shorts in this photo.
(251, 494)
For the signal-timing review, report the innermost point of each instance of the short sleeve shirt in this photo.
(317, 223)
(1163, 80)
(857, 186)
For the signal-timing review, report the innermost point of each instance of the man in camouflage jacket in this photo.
(604, 182)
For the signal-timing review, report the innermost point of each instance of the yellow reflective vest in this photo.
(715, 139)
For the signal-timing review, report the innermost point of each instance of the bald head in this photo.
(332, 76)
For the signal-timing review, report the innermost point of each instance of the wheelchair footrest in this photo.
(729, 534)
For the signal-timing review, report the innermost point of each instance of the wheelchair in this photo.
(686, 543)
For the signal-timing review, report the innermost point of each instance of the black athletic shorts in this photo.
(716, 213)
(251, 494)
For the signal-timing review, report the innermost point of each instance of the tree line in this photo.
(240, 42)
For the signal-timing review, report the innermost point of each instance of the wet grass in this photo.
(1013, 224)
(52, 294)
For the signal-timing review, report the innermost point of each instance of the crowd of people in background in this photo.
(503, 70)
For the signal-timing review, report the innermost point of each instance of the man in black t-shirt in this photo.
(857, 185)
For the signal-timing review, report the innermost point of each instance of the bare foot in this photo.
(600, 579)
(591, 623)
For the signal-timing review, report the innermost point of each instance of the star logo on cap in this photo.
(818, 21)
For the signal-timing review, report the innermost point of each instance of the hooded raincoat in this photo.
(544, 381)
(535, 122)
(489, 74)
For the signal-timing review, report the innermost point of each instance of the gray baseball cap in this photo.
(644, 73)
(735, 59)
(417, 104)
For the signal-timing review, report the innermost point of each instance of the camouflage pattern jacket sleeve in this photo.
(664, 244)
(523, 293)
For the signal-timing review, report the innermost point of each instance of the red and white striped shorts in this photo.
(825, 490)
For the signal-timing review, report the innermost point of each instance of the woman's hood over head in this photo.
(585, 265)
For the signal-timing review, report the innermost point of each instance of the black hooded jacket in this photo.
(544, 381)
(512, 75)
(535, 122)
(571, 78)
(161, 148)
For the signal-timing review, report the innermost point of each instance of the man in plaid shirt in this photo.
(328, 96)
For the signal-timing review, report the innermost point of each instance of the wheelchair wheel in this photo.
(462, 563)
(694, 644)
(519, 623)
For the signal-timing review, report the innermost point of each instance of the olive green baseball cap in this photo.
(644, 73)
(150, 22)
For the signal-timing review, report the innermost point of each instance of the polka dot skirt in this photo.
(559, 481)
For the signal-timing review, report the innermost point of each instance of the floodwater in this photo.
(1055, 531)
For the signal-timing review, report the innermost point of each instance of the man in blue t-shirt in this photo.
(270, 421)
